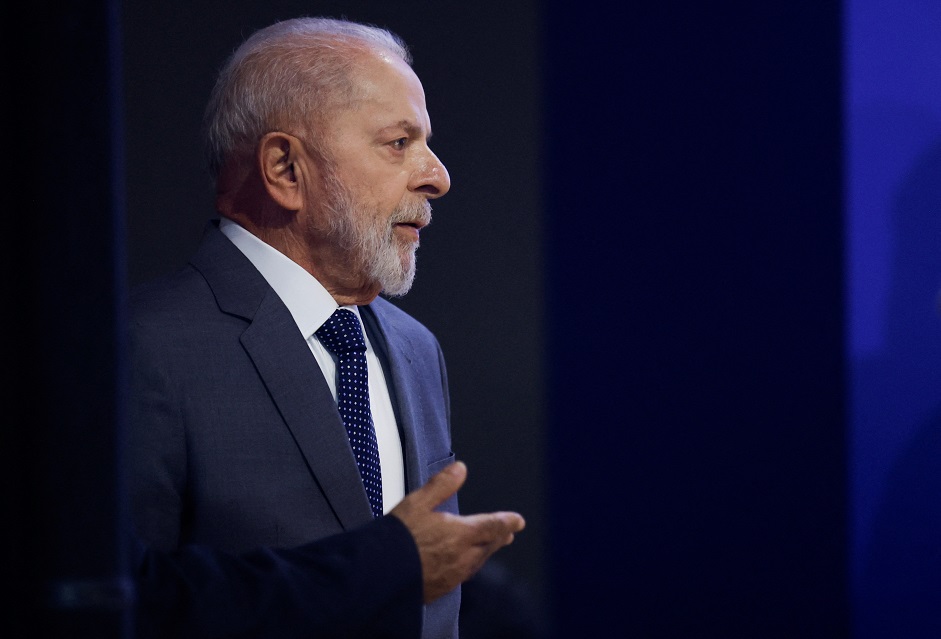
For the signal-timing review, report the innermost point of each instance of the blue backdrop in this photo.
(893, 161)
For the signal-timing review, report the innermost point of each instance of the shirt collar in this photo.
(308, 301)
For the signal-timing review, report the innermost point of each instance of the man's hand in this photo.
(452, 547)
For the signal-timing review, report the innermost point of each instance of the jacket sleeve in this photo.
(362, 583)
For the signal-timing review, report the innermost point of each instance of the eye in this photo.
(399, 144)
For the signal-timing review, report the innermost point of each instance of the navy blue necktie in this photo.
(343, 337)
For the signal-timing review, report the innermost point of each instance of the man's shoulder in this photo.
(172, 300)
(167, 289)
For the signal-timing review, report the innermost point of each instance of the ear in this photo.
(278, 155)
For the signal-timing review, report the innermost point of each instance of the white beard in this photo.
(374, 250)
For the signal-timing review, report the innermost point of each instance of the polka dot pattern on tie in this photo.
(343, 336)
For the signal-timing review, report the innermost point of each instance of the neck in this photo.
(329, 269)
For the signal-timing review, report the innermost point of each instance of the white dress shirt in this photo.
(311, 305)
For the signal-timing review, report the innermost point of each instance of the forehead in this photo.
(386, 92)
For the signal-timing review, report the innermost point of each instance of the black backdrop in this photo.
(662, 183)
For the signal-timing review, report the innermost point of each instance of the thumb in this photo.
(441, 486)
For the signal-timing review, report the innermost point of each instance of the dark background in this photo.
(702, 439)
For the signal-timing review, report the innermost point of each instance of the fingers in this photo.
(440, 487)
(486, 528)
(485, 534)
(452, 547)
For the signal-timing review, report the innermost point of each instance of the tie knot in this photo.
(342, 333)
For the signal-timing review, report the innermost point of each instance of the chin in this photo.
(396, 275)
(401, 284)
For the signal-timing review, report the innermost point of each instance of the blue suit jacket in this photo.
(235, 439)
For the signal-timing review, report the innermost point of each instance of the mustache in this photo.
(416, 212)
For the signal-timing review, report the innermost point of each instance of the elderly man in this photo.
(276, 398)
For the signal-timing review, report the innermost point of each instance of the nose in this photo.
(431, 177)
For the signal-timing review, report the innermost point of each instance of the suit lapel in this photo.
(402, 378)
(289, 372)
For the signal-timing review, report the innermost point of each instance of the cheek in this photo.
(386, 188)
(380, 192)
(376, 196)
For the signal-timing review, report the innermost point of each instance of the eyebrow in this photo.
(411, 128)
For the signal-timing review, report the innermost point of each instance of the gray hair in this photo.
(289, 74)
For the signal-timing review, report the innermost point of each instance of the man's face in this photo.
(380, 175)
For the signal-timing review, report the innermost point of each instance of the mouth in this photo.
(408, 221)
(409, 229)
